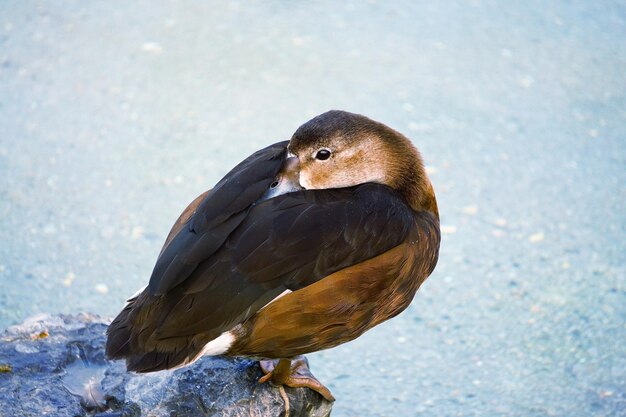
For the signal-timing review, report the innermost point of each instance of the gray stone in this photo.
(55, 365)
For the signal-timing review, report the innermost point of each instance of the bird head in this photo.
(340, 149)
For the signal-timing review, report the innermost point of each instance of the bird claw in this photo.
(293, 373)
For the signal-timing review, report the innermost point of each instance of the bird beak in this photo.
(290, 174)
(291, 166)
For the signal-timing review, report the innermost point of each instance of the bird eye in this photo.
(322, 154)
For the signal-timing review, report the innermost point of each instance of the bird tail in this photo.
(119, 333)
(124, 342)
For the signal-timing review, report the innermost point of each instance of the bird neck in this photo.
(419, 193)
(411, 180)
(421, 197)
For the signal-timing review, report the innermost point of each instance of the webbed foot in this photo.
(293, 373)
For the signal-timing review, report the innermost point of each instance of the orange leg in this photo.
(292, 373)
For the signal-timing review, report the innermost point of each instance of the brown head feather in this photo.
(362, 150)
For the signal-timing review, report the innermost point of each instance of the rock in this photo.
(55, 365)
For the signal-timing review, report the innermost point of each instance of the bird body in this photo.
(304, 245)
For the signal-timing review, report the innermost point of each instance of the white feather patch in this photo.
(218, 345)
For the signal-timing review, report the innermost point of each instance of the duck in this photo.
(303, 246)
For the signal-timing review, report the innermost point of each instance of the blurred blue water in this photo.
(114, 116)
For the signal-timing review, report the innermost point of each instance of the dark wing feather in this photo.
(217, 215)
(287, 242)
(302, 237)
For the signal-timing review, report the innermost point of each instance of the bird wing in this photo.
(287, 242)
(301, 237)
(214, 217)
